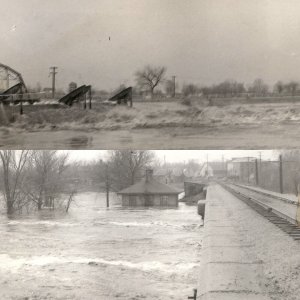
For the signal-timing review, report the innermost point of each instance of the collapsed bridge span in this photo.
(124, 96)
(76, 95)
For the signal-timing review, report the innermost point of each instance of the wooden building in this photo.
(149, 192)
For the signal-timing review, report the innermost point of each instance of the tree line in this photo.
(149, 78)
(32, 180)
(153, 81)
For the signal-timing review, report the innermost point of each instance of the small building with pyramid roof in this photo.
(149, 192)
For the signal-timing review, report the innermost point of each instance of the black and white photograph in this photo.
(149, 149)
(162, 224)
(149, 74)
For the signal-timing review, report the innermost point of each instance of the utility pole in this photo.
(90, 97)
(259, 157)
(174, 86)
(53, 72)
(260, 167)
(107, 184)
(248, 169)
(298, 206)
(280, 175)
(256, 172)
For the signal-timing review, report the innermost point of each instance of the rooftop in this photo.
(149, 185)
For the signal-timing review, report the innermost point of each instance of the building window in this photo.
(164, 200)
(149, 200)
(132, 200)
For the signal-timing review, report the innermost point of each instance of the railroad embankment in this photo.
(244, 255)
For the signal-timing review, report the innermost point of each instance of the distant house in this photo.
(242, 169)
(213, 169)
(149, 192)
(47, 92)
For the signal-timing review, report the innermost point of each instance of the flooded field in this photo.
(98, 253)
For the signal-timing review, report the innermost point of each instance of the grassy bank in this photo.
(185, 113)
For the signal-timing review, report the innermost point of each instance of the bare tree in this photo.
(124, 168)
(70, 200)
(279, 87)
(14, 164)
(190, 89)
(292, 87)
(258, 87)
(47, 180)
(150, 77)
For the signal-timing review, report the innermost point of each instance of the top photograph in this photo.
(149, 74)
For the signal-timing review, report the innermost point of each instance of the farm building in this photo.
(149, 192)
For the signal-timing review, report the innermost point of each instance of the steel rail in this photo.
(281, 220)
(266, 194)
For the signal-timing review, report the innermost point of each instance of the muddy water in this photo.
(99, 253)
(263, 136)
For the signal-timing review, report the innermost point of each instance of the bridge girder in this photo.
(15, 73)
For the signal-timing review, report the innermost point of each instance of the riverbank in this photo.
(157, 125)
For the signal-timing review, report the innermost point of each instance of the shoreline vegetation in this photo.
(183, 113)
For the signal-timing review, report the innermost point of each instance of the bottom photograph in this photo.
(151, 224)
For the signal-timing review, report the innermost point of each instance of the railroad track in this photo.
(266, 194)
(286, 223)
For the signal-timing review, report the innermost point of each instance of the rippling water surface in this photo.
(98, 253)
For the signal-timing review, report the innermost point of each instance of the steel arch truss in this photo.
(9, 75)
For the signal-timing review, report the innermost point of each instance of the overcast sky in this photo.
(200, 41)
(182, 155)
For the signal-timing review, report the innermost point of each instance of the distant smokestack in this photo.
(149, 174)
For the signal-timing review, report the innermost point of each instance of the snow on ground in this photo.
(157, 114)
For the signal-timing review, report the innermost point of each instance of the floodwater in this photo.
(248, 136)
(98, 253)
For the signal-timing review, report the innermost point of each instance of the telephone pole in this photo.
(280, 175)
(53, 72)
(248, 170)
(174, 86)
(107, 184)
(256, 172)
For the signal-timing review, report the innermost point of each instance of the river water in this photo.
(98, 253)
